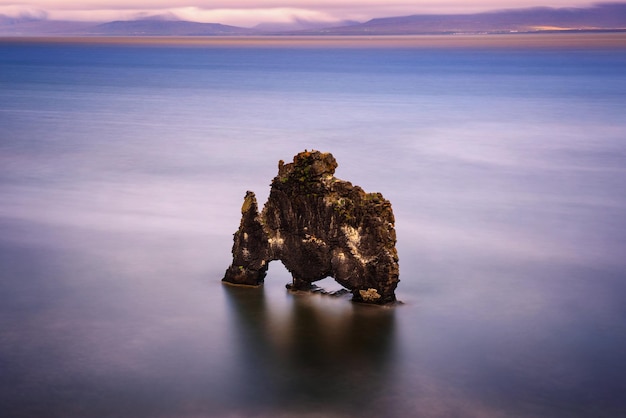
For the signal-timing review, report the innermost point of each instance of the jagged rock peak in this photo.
(318, 226)
(311, 164)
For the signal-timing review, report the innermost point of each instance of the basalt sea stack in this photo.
(318, 226)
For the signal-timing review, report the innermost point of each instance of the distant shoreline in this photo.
(549, 39)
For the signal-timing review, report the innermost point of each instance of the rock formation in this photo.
(318, 226)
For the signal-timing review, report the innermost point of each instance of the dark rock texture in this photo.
(318, 226)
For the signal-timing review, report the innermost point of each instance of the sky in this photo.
(252, 12)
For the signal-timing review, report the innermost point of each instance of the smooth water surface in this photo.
(122, 172)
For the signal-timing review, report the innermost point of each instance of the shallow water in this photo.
(122, 172)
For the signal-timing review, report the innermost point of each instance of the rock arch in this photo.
(318, 226)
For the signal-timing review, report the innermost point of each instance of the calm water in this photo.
(122, 172)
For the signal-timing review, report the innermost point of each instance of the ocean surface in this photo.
(123, 167)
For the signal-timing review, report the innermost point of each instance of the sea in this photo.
(123, 167)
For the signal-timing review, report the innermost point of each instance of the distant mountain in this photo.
(601, 17)
(150, 26)
(28, 26)
(7, 20)
(162, 27)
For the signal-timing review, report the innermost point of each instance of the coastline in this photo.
(573, 40)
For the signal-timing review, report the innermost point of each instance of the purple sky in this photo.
(251, 12)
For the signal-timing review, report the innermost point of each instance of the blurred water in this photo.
(122, 172)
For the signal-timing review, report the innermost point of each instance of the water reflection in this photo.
(327, 356)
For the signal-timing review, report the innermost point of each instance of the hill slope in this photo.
(602, 17)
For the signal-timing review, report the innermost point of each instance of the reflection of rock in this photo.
(318, 226)
(313, 357)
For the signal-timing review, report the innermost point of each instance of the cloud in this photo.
(252, 12)
(231, 16)
(251, 17)
(23, 12)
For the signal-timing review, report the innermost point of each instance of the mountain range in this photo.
(600, 17)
